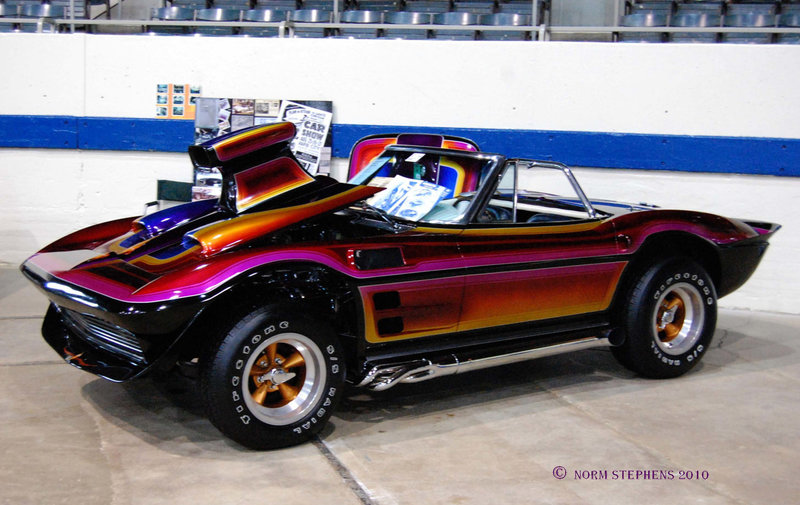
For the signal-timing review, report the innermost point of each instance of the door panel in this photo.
(521, 274)
(496, 299)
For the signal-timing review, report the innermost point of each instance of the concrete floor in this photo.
(494, 436)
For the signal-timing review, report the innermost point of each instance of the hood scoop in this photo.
(256, 165)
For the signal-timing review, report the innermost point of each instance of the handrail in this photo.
(543, 31)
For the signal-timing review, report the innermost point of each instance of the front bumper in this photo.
(109, 338)
(101, 352)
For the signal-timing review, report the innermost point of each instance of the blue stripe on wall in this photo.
(744, 155)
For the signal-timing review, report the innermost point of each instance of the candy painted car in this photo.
(434, 259)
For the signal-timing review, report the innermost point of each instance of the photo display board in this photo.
(176, 101)
(220, 116)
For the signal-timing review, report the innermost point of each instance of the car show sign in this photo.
(220, 116)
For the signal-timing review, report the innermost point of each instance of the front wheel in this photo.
(669, 319)
(273, 381)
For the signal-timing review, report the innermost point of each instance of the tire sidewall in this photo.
(647, 357)
(223, 380)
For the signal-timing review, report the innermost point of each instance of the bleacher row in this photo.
(745, 21)
(709, 14)
(420, 13)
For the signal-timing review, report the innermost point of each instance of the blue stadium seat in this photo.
(42, 12)
(7, 11)
(263, 16)
(190, 4)
(310, 16)
(281, 5)
(643, 19)
(241, 5)
(504, 19)
(320, 5)
(376, 5)
(750, 19)
(746, 8)
(478, 8)
(707, 7)
(406, 18)
(171, 14)
(695, 19)
(432, 6)
(356, 17)
(454, 19)
(217, 14)
(789, 20)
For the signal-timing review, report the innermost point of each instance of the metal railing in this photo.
(538, 31)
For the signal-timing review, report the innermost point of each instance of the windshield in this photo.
(427, 186)
(531, 192)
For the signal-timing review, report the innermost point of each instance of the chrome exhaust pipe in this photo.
(383, 377)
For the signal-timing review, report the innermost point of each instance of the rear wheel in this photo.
(274, 380)
(669, 319)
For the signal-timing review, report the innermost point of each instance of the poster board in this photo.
(220, 116)
(176, 101)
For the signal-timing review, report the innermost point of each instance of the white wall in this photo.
(682, 89)
(726, 90)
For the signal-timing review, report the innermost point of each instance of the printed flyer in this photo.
(220, 116)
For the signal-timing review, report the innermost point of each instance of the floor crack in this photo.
(354, 485)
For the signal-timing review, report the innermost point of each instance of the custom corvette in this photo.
(434, 259)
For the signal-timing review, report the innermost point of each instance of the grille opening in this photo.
(104, 335)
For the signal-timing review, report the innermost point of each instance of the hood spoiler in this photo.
(256, 164)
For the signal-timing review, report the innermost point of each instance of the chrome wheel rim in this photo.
(283, 379)
(678, 318)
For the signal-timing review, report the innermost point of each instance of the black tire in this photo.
(303, 376)
(668, 320)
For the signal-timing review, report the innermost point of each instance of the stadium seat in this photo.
(750, 19)
(40, 12)
(432, 6)
(643, 19)
(478, 8)
(455, 19)
(790, 20)
(504, 19)
(190, 4)
(355, 17)
(695, 19)
(406, 18)
(281, 5)
(241, 5)
(7, 11)
(310, 16)
(321, 5)
(171, 14)
(663, 6)
(263, 16)
(217, 14)
(760, 8)
(376, 5)
(709, 7)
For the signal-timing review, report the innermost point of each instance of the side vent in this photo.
(373, 259)
(390, 325)
(386, 300)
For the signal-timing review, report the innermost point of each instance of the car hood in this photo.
(264, 190)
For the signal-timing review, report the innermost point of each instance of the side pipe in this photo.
(383, 377)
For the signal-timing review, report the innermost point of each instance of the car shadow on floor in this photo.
(171, 409)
